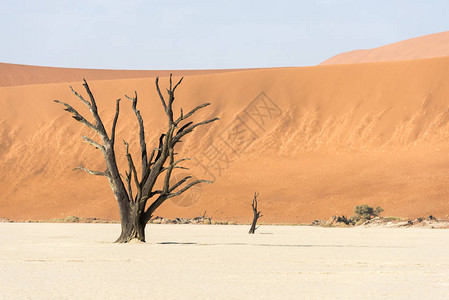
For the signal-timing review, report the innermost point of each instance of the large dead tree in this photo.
(136, 194)
(256, 214)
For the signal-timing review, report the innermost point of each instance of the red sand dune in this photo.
(338, 136)
(314, 142)
(13, 74)
(428, 46)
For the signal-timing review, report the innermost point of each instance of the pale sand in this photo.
(78, 261)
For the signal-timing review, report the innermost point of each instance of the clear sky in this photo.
(138, 34)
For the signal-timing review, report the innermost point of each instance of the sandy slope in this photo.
(336, 137)
(78, 261)
(432, 45)
(14, 74)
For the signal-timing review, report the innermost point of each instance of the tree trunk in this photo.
(133, 227)
(253, 225)
(256, 214)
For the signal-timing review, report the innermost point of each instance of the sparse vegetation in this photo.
(364, 213)
(395, 219)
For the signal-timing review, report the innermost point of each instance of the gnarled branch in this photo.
(190, 129)
(179, 183)
(174, 165)
(93, 143)
(143, 145)
(161, 145)
(87, 103)
(105, 173)
(179, 82)
(188, 187)
(166, 187)
(76, 115)
(133, 171)
(93, 103)
(190, 113)
(160, 95)
(114, 123)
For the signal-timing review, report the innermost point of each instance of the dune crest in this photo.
(14, 74)
(428, 46)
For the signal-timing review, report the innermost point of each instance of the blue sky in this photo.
(137, 34)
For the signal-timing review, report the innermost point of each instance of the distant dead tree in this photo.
(256, 214)
(133, 208)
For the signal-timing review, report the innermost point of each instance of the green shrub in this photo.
(365, 212)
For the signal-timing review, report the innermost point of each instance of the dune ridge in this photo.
(316, 142)
(15, 74)
(428, 46)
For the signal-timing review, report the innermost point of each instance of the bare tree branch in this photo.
(105, 173)
(161, 145)
(188, 187)
(156, 203)
(108, 152)
(93, 104)
(114, 123)
(174, 165)
(87, 103)
(166, 187)
(143, 145)
(133, 170)
(189, 114)
(76, 115)
(171, 94)
(128, 183)
(179, 183)
(150, 159)
(156, 192)
(160, 95)
(179, 82)
(93, 143)
(93, 109)
(170, 84)
(183, 127)
(190, 129)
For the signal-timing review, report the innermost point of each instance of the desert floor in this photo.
(79, 261)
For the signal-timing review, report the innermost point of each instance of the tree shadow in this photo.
(177, 243)
(276, 245)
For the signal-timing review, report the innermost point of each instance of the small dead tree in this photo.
(256, 214)
(137, 206)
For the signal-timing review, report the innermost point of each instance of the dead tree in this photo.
(256, 214)
(136, 195)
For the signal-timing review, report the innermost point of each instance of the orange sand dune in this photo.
(13, 74)
(428, 46)
(313, 141)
